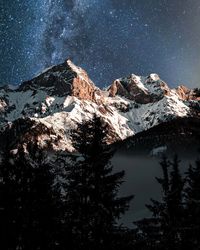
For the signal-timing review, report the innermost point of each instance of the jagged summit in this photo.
(64, 79)
(140, 89)
(148, 89)
(52, 104)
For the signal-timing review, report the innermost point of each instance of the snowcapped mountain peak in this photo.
(153, 77)
(47, 108)
(135, 78)
(140, 89)
(62, 80)
(76, 69)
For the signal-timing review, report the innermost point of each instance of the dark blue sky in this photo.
(109, 38)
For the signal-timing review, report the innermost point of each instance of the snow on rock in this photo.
(141, 117)
(63, 96)
(154, 77)
(140, 89)
(2, 105)
(138, 82)
(49, 100)
(44, 71)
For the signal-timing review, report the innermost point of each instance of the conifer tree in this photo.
(29, 205)
(164, 229)
(175, 204)
(92, 198)
(192, 210)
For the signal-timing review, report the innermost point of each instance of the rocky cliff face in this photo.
(62, 80)
(187, 94)
(46, 109)
(140, 89)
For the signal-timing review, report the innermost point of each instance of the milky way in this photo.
(109, 38)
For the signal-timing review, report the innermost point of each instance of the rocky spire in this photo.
(64, 79)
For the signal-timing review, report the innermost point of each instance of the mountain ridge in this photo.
(63, 96)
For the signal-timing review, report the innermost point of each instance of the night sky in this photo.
(109, 38)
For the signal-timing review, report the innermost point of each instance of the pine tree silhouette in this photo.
(92, 198)
(192, 201)
(175, 204)
(29, 205)
(164, 229)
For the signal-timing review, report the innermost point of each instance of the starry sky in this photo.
(109, 38)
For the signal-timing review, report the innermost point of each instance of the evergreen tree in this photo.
(29, 204)
(93, 205)
(175, 204)
(192, 211)
(164, 229)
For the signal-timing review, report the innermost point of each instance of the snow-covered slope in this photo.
(63, 96)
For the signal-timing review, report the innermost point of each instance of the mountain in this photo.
(47, 109)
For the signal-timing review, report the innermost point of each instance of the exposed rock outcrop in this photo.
(47, 109)
(142, 90)
(64, 79)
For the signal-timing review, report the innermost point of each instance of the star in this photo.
(108, 38)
